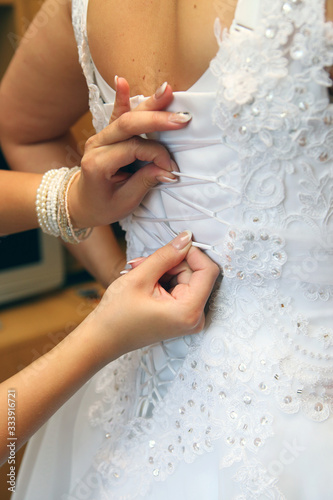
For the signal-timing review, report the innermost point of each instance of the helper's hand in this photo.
(103, 193)
(142, 311)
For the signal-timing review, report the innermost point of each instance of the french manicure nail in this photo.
(182, 240)
(125, 271)
(132, 261)
(181, 117)
(163, 178)
(160, 91)
(115, 82)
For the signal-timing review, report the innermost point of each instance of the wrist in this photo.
(74, 205)
(52, 206)
(95, 341)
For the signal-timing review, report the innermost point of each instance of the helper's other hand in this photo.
(141, 309)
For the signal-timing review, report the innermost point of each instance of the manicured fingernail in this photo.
(132, 261)
(174, 166)
(182, 240)
(125, 271)
(115, 82)
(163, 178)
(160, 91)
(181, 117)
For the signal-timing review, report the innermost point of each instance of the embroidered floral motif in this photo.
(272, 101)
(313, 291)
(253, 257)
(316, 197)
(256, 482)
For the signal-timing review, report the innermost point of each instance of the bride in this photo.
(243, 409)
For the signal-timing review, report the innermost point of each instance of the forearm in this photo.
(134, 312)
(17, 201)
(45, 385)
(100, 254)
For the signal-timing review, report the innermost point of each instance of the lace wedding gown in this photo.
(244, 409)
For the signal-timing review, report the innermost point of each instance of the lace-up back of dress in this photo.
(270, 192)
(256, 189)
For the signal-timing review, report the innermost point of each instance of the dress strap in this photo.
(79, 21)
(79, 14)
(247, 14)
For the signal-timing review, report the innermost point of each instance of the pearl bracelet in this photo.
(52, 205)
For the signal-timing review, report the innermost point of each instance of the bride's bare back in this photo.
(152, 41)
(149, 42)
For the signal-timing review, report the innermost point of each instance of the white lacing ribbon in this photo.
(202, 212)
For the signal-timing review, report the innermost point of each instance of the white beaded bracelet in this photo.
(67, 231)
(52, 200)
(52, 205)
(43, 207)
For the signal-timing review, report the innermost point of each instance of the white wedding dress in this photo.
(244, 409)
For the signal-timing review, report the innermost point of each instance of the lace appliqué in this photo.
(253, 257)
(313, 291)
(96, 105)
(260, 106)
(255, 482)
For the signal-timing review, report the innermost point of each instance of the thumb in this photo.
(164, 259)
